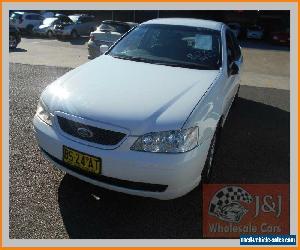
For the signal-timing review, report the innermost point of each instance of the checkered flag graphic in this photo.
(226, 196)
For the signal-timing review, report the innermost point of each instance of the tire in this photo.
(50, 34)
(13, 41)
(210, 160)
(74, 34)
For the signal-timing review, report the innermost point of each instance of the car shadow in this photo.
(31, 36)
(77, 41)
(255, 141)
(91, 212)
(254, 148)
(17, 50)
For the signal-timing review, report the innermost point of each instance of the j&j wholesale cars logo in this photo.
(233, 210)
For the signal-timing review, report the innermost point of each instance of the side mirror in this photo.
(233, 69)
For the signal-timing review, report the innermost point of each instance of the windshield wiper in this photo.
(189, 65)
(134, 58)
(166, 63)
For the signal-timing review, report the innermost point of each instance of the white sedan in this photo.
(144, 118)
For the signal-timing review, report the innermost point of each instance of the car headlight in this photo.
(174, 141)
(43, 113)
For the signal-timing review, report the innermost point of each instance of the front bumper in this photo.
(156, 175)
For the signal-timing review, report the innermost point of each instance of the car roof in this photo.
(113, 22)
(192, 22)
(132, 24)
(82, 15)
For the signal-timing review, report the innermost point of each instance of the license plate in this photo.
(82, 161)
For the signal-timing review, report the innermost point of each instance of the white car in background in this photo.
(78, 25)
(144, 118)
(47, 27)
(255, 32)
(106, 35)
(26, 21)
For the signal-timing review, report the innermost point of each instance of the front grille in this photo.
(99, 135)
(110, 180)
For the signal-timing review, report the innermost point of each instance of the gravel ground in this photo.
(34, 183)
(45, 203)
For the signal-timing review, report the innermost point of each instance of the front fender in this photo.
(208, 111)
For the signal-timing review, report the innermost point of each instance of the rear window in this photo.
(74, 18)
(120, 28)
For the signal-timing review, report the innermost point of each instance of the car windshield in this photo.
(49, 21)
(64, 20)
(172, 45)
(74, 18)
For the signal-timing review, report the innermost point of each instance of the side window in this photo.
(90, 19)
(34, 17)
(230, 48)
(29, 17)
(84, 19)
(237, 49)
